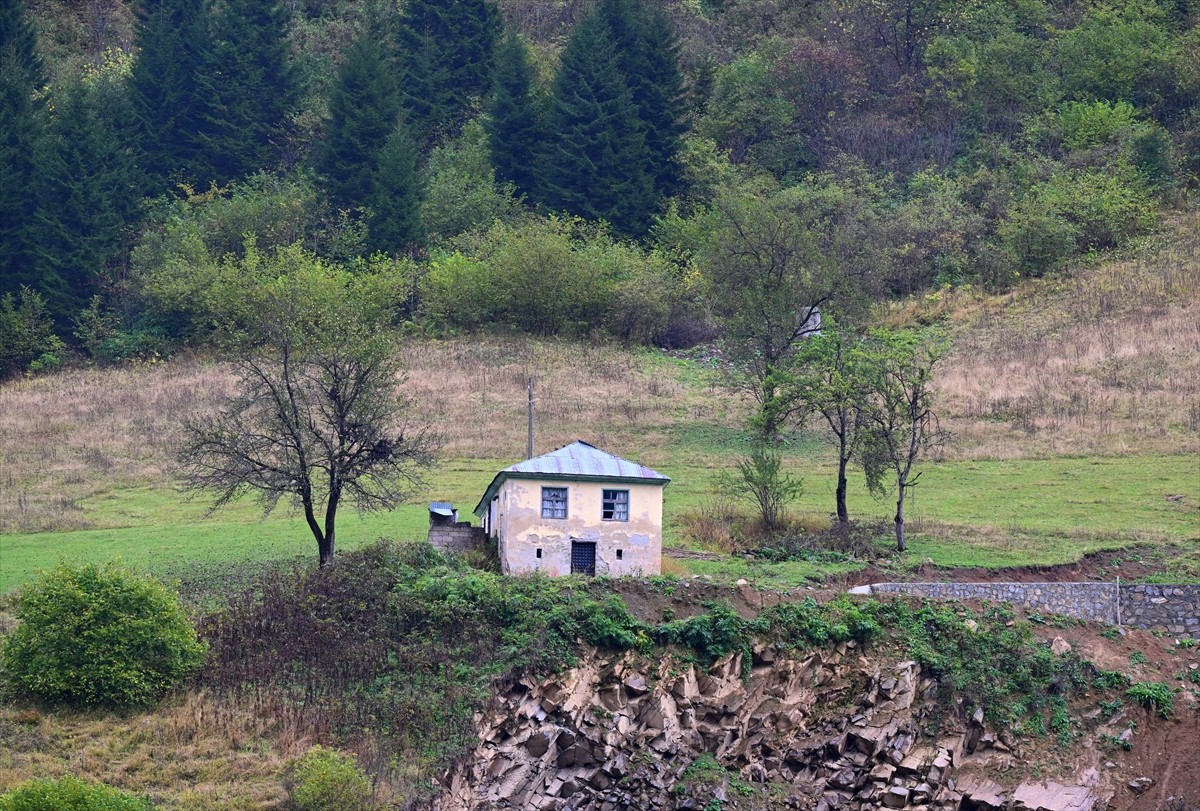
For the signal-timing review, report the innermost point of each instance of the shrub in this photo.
(27, 336)
(69, 794)
(99, 635)
(328, 780)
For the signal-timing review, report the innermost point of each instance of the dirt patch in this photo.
(1132, 564)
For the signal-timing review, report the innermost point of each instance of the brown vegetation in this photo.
(1104, 362)
(196, 754)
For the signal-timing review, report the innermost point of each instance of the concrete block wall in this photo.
(458, 538)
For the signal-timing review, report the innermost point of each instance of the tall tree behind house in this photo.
(446, 54)
(514, 125)
(596, 163)
(170, 92)
(250, 82)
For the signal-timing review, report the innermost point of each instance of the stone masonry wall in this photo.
(1086, 601)
(1172, 608)
(459, 537)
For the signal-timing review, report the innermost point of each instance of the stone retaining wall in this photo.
(1171, 608)
(1086, 601)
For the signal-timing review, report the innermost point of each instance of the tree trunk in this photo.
(335, 496)
(843, 514)
(324, 543)
(900, 545)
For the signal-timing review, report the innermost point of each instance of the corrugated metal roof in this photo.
(441, 507)
(582, 459)
(579, 460)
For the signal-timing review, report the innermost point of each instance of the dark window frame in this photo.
(549, 508)
(610, 504)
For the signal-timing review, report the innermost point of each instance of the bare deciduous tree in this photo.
(316, 419)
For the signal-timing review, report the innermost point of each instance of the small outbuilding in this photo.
(576, 510)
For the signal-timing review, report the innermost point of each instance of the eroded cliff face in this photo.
(829, 730)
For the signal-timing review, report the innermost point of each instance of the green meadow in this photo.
(987, 513)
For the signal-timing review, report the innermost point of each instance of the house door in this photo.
(583, 557)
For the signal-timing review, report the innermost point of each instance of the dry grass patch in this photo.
(69, 436)
(193, 754)
(1104, 362)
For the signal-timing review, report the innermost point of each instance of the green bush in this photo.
(328, 780)
(99, 635)
(1154, 696)
(27, 339)
(549, 277)
(69, 794)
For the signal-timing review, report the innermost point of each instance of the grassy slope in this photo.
(1074, 403)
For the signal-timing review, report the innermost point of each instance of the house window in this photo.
(614, 505)
(554, 502)
(619, 554)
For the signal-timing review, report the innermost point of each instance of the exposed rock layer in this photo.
(831, 730)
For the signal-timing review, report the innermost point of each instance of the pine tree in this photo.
(169, 91)
(95, 186)
(514, 127)
(363, 110)
(22, 143)
(251, 87)
(596, 165)
(18, 40)
(27, 161)
(648, 55)
(395, 223)
(446, 48)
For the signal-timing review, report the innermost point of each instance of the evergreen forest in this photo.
(660, 172)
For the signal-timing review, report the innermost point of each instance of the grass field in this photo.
(1075, 405)
(991, 513)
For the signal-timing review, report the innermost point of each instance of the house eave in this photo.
(505, 475)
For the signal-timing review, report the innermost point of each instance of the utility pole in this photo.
(529, 448)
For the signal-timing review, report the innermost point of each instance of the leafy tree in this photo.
(597, 165)
(447, 49)
(170, 90)
(250, 82)
(777, 261)
(829, 379)
(902, 426)
(462, 192)
(514, 126)
(761, 480)
(316, 418)
(99, 636)
(396, 194)
(26, 332)
(364, 106)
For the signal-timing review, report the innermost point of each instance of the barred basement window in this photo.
(614, 505)
(554, 502)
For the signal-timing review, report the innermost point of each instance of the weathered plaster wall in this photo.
(522, 530)
(1171, 608)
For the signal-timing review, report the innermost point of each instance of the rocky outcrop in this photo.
(827, 731)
